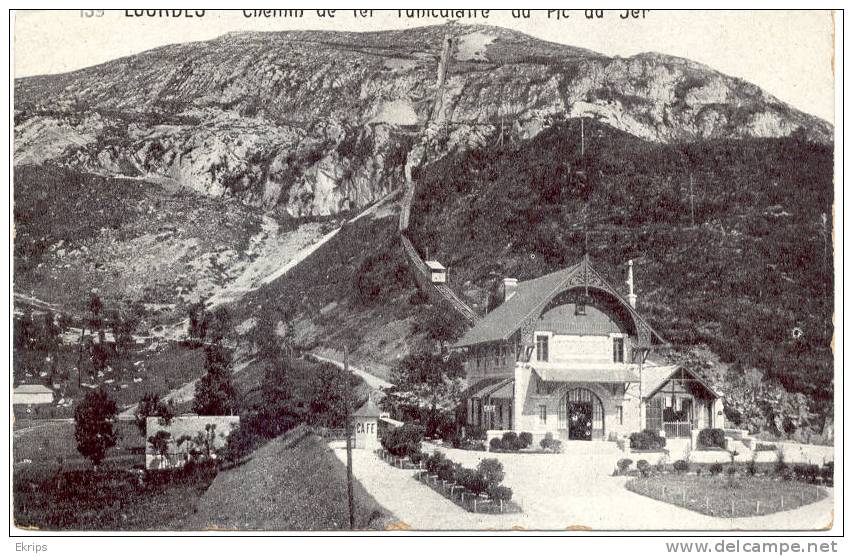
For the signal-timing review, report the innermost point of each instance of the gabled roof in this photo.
(435, 265)
(654, 377)
(369, 409)
(508, 317)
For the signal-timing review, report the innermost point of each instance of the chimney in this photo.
(632, 297)
(510, 284)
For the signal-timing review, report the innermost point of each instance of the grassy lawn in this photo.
(723, 496)
(111, 499)
(293, 483)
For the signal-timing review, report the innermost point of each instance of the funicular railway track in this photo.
(423, 277)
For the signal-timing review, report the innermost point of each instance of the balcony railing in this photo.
(677, 429)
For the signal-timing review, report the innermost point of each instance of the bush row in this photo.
(805, 472)
(485, 479)
(512, 442)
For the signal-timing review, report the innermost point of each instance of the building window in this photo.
(543, 414)
(542, 348)
(619, 414)
(618, 350)
(497, 352)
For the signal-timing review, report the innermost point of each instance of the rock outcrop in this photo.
(313, 123)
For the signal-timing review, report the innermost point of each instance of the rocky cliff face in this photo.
(313, 123)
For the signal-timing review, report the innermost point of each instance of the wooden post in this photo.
(349, 440)
(733, 507)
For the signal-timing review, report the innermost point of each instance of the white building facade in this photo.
(566, 354)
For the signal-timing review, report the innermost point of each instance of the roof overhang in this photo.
(601, 374)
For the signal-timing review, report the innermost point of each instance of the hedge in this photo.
(403, 441)
(711, 438)
(647, 440)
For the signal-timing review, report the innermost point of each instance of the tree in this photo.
(198, 323)
(25, 331)
(214, 393)
(281, 410)
(266, 339)
(426, 387)
(329, 395)
(160, 443)
(95, 307)
(441, 326)
(151, 406)
(219, 325)
(50, 333)
(93, 420)
(100, 358)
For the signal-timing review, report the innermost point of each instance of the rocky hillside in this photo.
(745, 269)
(312, 123)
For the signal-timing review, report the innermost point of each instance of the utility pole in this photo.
(349, 440)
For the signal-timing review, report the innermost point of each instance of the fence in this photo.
(676, 429)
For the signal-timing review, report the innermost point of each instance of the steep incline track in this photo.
(442, 292)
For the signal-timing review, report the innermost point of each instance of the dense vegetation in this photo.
(743, 271)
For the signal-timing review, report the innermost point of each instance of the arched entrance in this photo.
(583, 415)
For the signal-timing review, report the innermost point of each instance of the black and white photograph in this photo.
(425, 270)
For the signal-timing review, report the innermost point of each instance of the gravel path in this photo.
(557, 492)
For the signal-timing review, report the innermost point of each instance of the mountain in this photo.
(312, 123)
(253, 146)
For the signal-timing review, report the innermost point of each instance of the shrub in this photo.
(472, 480)
(525, 440)
(446, 470)
(550, 444)
(681, 466)
(432, 462)
(716, 468)
(496, 444)
(751, 467)
(623, 465)
(510, 441)
(806, 472)
(416, 457)
(643, 467)
(475, 433)
(711, 438)
(500, 493)
(827, 473)
(492, 471)
(731, 470)
(647, 440)
(403, 441)
(780, 467)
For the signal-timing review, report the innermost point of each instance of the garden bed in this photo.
(739, 495)
(465, 499)
(458, 494)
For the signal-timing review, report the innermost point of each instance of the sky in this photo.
(787, 53)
